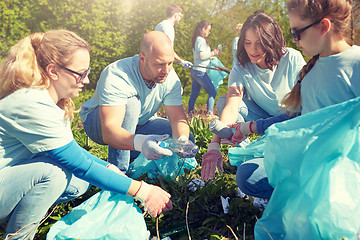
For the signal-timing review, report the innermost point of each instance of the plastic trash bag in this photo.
(255, 149)
(169, 167)
(216, 76)
(104, 216)
(313, 162)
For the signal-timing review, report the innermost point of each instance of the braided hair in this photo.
(339, 11)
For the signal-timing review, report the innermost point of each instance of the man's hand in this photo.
(186, 148)
(148, 145)
(212, 159)
(186, 64)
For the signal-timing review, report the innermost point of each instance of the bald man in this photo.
(129, 92)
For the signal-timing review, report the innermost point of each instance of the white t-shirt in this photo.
(333, 79)
(268, 88)
(201, 46)
(30, 122)
(122, 80)
(166, 27)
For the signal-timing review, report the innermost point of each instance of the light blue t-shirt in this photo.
(234, 50)
(166, 27)
(333, 79)
(122, 80)
(201, 46)
(30, 122)
(268, 88)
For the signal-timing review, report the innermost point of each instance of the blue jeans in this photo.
(201, 80)
(252, 180)
(118, 157)
(248, 110)
(251, 177)
(30, 188)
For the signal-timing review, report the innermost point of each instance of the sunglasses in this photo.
(296, 32)
(82, 75)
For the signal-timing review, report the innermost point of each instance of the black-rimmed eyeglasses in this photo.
(296, 32)
(82, 75)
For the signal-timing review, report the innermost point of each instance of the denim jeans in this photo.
(252, 180)
(251, 177)
(248, 110)
(118, 157)
(30, 188)
(201, 80)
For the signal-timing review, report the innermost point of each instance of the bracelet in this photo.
(250, 127)
(138, 190)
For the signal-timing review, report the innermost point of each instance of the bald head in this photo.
(156, 56)
(156, 41)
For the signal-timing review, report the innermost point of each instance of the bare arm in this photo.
(111, 118)
(231, 109)
(177, 58)
(178, 121)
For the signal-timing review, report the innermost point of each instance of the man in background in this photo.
(173, 17)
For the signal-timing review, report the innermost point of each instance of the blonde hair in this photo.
(339, 12)
(25, 65)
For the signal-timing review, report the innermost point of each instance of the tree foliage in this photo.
(114, 28)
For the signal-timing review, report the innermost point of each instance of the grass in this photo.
(197, 214)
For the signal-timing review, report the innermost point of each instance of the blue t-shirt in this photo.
(201, 46)
(333, 79)
(166, 27)
(268, 87)
(122, 80)
(30, 123)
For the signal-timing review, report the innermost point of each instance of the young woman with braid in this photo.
(331, 76)
(40, 162)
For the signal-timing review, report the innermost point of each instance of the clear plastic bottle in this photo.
(219, 47)
(220, 129)
(184, 149)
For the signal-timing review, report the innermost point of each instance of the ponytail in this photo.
(292, 100)
(25, 65)
(20, 69)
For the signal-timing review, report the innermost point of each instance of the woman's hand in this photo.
(154, 199)
(212, 159)
(217, 51)
(243, 129)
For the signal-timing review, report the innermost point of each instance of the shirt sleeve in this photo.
(173, 98)
(73, 157)
(40, 126)
(235, 77)
(263, 124)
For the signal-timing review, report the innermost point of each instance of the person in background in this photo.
(173, 17)
(40, 162)
(331, 76)
(267, 70)
(200, 79)
(235, 44)
(129, 92)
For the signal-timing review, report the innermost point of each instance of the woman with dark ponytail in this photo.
(332, 75)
